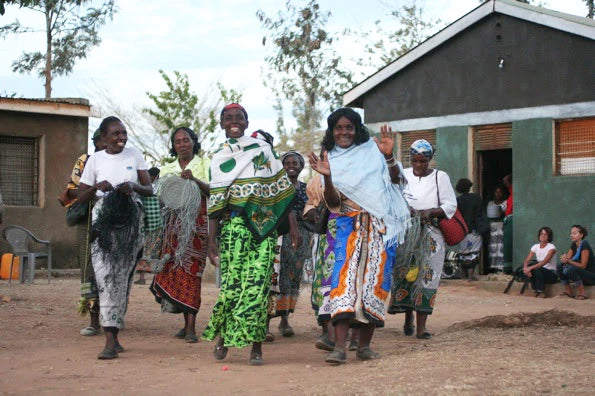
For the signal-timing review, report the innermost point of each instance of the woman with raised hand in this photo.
(115, 177)
(360, 185)
(250, 195)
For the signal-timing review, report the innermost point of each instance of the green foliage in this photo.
(303, 70)
(384, 46)
(72, 29)
(179, 106)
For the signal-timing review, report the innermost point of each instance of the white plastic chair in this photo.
(20, 238)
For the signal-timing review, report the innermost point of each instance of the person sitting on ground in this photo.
(473, 211)
(578, 265)
(542, 269)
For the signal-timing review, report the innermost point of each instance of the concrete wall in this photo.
(542, 66)
(64, 139)
(451, 152)
(542, 199)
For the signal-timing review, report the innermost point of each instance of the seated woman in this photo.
(577, 265)
(542, 269)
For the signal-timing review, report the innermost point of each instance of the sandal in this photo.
(119, 348)
(107, 353)
(191, 338)
(89, 331)
(286, 331)
(220, 352)
(270, 337)
(353, 345)
(366, 353)
(324, 343)
(180, 334)
(336, 357)
(424, 336)
(581, 297)
(408, 330)
(255, 360)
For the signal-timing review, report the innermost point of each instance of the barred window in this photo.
(407, 138)
(19, 170)
(575, 147)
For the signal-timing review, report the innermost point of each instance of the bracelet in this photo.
(392, 161)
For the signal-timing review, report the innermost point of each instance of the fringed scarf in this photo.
(360, 172)
(248, 178)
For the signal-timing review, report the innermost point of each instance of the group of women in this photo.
(379, 236)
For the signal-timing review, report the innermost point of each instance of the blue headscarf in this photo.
(422, 147)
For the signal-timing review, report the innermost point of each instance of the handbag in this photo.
(320, 226)
(77, 213)
(453, 229)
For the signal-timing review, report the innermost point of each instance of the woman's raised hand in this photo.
(386, 143)
(320, 165)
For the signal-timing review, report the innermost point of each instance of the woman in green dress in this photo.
(250, 195)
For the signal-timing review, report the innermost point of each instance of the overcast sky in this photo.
(209, 40)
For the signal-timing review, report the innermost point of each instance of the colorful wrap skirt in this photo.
(290, 273)
(323, 255)
(420, 294)
(362, 274)
(240, 312)
(177, 287)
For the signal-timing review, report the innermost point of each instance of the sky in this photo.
(210, 41)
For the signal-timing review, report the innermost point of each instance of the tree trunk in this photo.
(48, 53)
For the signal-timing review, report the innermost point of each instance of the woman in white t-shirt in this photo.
(542, 269)
(115, 177)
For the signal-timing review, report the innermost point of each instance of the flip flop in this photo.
(581, 297)
(424, 336)
(366, 353)
(180, 334)
(336, 357)
(191, 338)
(324, 343)
(353, 346)
(220, 352)
(107, 353)
(256, 360)
(89, 331)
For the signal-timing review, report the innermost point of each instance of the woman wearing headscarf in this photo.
(115, 177)
(431, 197)
(177, 286)
(360, 185)
(250, 195)
(291, 259)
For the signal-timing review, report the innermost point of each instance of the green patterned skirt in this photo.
(240, 313)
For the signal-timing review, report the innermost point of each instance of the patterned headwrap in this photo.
(422, 147)
(298, 156)
(234, 106)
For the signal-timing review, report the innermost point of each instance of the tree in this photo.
(150, 127)
(303, 70)
(71, 30)
(383, 47)
(591, 8)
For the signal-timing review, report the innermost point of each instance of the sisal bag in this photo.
(453, 229)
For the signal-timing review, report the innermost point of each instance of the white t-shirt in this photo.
(115, 168)
(420, 192)
(541, 253)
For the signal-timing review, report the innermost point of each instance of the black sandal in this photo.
(256, 360)
(336, 357)
(424, 336)
(408, 330)
(107, 353)
(220, 352)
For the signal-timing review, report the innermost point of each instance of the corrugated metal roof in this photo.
(74, 101)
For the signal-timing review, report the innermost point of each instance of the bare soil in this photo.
(484, 343)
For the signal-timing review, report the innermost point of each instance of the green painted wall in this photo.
(451, 152)
(542, 199)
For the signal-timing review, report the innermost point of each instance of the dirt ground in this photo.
(41, 349)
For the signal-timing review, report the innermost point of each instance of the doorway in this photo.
(492, 166)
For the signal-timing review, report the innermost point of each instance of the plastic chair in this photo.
(19, 238)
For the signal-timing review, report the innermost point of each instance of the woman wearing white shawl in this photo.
(361, 179)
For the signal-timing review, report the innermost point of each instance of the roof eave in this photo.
(47, 107)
